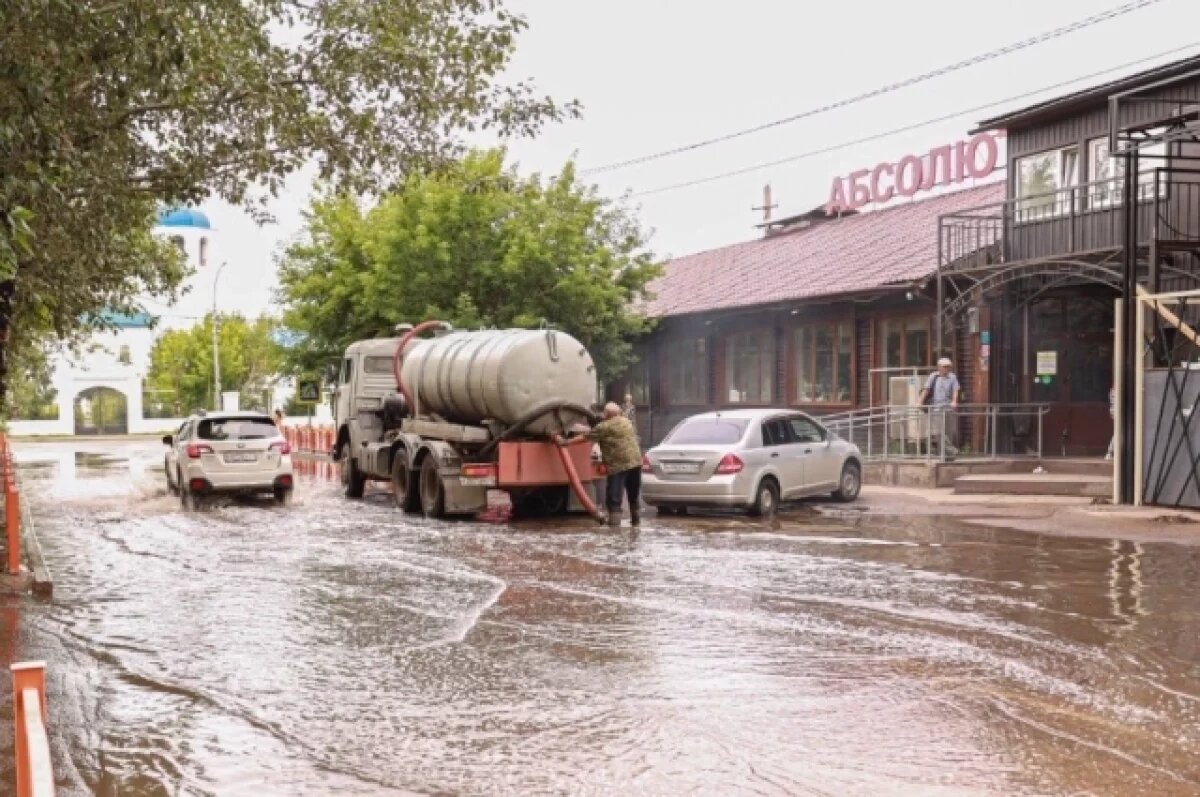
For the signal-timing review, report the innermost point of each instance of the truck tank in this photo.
(468, 377)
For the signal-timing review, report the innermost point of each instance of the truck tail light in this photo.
(646, 467)
(194, 450)
(478, 470)
(282, 447)
(730, 463)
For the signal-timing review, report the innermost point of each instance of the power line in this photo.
(906, 128)
(887, 89)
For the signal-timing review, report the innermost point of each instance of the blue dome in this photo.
(126, 321)
(183, 217)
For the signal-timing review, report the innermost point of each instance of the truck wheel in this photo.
(433, 493)
(405, 488)
(352, 478)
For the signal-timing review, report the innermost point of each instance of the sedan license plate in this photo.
(681, 467)
(234, 457)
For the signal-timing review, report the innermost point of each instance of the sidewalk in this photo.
(1051, 515)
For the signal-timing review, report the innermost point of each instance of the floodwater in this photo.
(339, 648)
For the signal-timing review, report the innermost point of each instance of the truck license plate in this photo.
(241, 456)
(681, 467)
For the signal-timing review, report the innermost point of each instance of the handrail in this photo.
(925, 432)
(35, 771)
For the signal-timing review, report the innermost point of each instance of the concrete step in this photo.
(1069, 484)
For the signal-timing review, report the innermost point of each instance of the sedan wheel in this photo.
(850, 484)
(766, 501)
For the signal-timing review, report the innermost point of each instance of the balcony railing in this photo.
(1075, 220)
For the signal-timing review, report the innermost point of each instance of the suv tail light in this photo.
(730, 464)
(646, 467)
(194, 450)
(282, 447)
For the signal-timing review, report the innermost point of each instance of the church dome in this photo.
(183, 217)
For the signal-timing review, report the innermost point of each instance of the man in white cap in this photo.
(941, 393)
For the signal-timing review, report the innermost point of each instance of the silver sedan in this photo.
(749, 459)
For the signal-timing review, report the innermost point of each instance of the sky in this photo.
(655, 74)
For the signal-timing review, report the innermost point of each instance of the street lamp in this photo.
(216, 348)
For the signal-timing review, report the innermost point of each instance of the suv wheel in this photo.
(850, 484)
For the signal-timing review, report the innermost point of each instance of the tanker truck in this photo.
(463, 422)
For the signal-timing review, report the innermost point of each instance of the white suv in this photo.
(228, 452)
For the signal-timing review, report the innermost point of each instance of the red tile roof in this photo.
(892, 246)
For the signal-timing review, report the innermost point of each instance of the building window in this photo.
(203, 252)
(639, 384)
(905, 342)
(179, 244)
(1107, 173)
(823, 356)
(123, 355)
(1042, 183)
(750, 367)
(687, 371)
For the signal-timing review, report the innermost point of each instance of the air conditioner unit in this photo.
(906, 421)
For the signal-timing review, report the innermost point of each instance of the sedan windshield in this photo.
(707, 432)
(237, 429)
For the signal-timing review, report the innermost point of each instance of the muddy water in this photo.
(337, 648)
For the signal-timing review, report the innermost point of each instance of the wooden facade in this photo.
(820, 358)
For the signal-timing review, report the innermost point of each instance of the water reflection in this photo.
(344, 648)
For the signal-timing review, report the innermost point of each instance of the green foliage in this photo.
(32, 396)
(476, 245)
(181, 363)
(109, 109)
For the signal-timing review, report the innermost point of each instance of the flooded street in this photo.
(343, 648)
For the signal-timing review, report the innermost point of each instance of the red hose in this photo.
(576, 484)
(398, 358)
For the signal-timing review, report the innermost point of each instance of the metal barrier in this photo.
(931, 433)
(35, 773)
(12, 510)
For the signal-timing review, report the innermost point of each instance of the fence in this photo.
(932, 433)
(12, 510)
(310, 439)
(35, 772)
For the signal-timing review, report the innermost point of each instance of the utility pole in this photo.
(766, 206)
(216, 346)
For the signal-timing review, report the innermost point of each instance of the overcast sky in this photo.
(654, 74)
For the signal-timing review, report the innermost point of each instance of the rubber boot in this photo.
(614, 519)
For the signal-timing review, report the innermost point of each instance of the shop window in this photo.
(1042, 183)
(905, 342)
(823, 356)
(687, 371)
(750, 367)
(1107, 173)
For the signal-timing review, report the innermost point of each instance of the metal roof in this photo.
(890, 248)
(1094, 96)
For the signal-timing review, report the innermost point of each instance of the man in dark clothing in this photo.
(623, 459)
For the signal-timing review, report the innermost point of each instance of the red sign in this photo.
(945, 165)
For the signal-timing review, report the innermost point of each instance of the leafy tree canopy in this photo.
(110, 109)
(181, 364)
(476, 245)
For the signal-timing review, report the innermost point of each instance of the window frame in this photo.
(881, 328)
(672, 353)
(768, 365)
(1059, 203)
(795, 371)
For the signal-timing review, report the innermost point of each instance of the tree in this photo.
(181, 363)
(108, 110)
(476, 245)
(32, 393)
